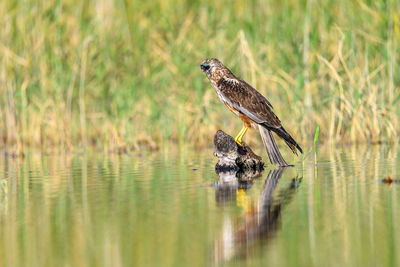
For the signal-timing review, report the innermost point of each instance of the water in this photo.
(171, 209)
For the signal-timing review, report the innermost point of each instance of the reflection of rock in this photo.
(248, 176)
(230, 181)
(259, 223)
(234, 157)
(225, 189)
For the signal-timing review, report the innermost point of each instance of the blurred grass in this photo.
(125, 74)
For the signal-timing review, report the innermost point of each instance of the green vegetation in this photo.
(316, 135)
(122, 74)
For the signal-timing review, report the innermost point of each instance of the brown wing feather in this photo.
(247, 100)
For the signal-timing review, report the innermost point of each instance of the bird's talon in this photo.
(238, 142)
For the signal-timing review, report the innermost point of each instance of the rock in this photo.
(233, 157)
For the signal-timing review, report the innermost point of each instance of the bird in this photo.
(252, 107)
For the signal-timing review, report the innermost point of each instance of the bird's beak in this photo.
(205, 66)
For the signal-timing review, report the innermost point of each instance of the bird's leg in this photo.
(238, 138)
(239, 142)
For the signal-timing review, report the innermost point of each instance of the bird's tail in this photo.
(274, 154)
(281, 132)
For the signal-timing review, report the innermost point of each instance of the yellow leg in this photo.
(238, 138)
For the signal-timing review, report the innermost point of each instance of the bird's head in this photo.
(213, 68)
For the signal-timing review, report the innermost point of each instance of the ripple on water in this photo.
(157, 210)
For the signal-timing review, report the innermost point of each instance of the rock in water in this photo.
(231, 156)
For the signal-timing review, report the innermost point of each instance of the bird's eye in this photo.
(204, 67)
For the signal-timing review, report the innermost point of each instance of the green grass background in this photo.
(125, 74)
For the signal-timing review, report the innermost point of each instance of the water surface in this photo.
(172, 209)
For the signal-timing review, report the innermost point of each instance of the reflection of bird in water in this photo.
(259, 223)
(253, 108)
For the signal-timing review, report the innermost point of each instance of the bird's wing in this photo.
(247, 100)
